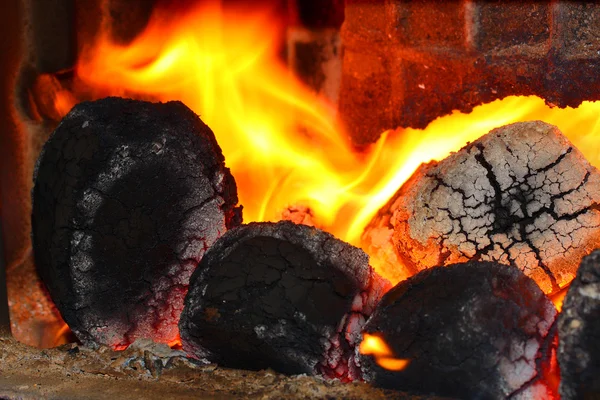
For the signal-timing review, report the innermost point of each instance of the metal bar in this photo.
(4, 313)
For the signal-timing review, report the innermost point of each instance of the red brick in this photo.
(430, 23)
(437, 87)
(366, 96)
(503, 24)
(578, 30)
(366, 19)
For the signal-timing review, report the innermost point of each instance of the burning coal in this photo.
(521, 195)
(578, 330)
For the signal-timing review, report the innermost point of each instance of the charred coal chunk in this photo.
(283, 296)
(127, 197)
(474, 330)
(579, 333)
(520, 195)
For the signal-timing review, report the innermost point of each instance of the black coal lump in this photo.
(127, 197)
(473, 330)
(579, 333)
(283, 296)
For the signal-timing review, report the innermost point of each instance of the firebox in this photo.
(373, 179)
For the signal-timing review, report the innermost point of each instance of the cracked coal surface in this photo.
(579, 333)
(473, 330)
(283, 296)
(127, 197)
(521, 195)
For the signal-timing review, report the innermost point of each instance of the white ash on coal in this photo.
(521, 195)
(283, 296)
(473, 330)
(128, 195)
(579, 333)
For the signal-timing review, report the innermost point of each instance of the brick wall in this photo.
(407, 62)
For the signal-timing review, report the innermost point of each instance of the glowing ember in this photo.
(282, 143)
(376, 346)
(175, 343)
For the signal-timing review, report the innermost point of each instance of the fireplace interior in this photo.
(367, 199)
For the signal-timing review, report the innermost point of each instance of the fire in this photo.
(283, 143)
(559, 297)
(62, 335)
(376, 346)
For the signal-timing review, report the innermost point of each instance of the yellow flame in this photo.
(383, 355)
(282, 143)
(559, 298)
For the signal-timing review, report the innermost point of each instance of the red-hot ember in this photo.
(551, 371)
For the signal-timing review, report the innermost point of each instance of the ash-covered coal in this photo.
(520, 195)
(128, 196)
(579, 333)
(283, 296)
(474, 330)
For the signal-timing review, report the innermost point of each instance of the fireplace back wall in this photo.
(408, 62)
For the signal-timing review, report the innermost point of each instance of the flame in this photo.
(283, 143)
(384, 357)
(62, 335)
(559, 297)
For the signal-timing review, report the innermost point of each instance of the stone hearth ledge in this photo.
(147, 370)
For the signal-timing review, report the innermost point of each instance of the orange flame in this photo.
(282, 143)
(62, 335)
(376, 346)
(559, 297)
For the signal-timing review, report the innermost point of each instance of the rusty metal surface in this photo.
(4, 315)
(10, 48)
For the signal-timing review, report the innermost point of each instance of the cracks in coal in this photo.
(521, 195)
(511, 211)
(504, 219)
